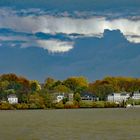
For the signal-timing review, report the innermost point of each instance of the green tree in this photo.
(35, 86)
(77, 97)
(49, 82)
(76, 84)
(36, 100)
(101, 89)
(61, 89)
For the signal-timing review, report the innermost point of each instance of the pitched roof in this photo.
(12, 96)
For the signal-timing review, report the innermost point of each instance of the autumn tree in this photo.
(12, 82)
(49, 83)
(77, 97)
(36, 101)
(35, 86)
(61, 89)
(76, 84)
(101, 89)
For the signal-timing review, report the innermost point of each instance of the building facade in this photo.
(70, 96)
(88, 96)
(12, 99)
(118, 97)
(136, 95)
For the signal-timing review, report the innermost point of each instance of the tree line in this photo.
(41, 95)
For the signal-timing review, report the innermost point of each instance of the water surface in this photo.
(75, 124)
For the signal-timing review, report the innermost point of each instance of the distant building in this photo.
(70, 96)
(118, 97)
(136, 95)
(88, 96)
(59, 98)
(12, 99)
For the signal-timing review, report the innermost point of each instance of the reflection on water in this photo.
(76, 124)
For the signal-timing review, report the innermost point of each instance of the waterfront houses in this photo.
(120, 97)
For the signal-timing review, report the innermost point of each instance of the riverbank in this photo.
(62, 105)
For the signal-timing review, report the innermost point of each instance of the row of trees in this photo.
(72, 84)
(100, 88)
(114, 84)
(33, 93)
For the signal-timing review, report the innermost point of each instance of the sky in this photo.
(91, 38)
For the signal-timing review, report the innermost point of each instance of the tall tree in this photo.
(35, 86)
(49, 82)
(76, 84)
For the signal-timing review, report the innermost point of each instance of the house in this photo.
(70, 96)
(88, 96)
(59, 98)
(118, 97)
(12, 99)
(136, 95)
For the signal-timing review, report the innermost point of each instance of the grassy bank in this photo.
(61, 105)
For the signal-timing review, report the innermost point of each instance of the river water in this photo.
(70, 124)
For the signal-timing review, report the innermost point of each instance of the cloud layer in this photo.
(53, 24)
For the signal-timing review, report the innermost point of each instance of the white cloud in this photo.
(69, 25)
(127, 27)
(55, 46)
(134, 39)
(13, 38)
(91, 26)
(52, 45)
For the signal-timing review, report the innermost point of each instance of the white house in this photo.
(70, 96)
(118, 97)
(12, 99)
(59, 98)
(136, 95)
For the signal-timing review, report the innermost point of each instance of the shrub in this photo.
(65, 100)
(25, 106)
(59, 105)
(86, 104)
(36, 101)
(77, 97)
(98, 104)
(110, 104)
(6, 106)
(33, 106)
(70, 104)
(21, 106)
(137, 102)
(36, 106)
(133, 102)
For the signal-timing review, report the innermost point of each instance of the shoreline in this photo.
(76, 108)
